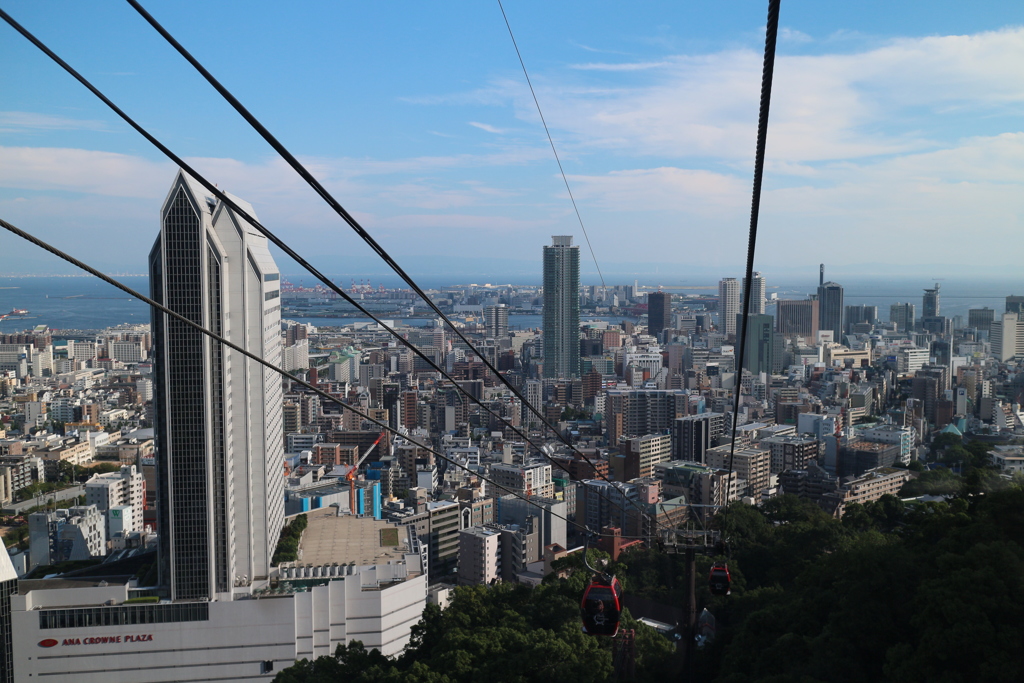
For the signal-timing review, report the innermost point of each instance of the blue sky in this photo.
(895, 141)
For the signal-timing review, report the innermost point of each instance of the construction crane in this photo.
(351, 476)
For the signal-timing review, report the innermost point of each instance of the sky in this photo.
(896, 142)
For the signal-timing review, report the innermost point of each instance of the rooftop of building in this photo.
(861, 445)
(330, 539)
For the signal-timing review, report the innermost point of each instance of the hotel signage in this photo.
(99, 640)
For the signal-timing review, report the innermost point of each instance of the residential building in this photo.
(479, 556)
(561, 308)
(693, 435)
(113, 489)
(758, 294)
(496, 321)
(532, 479)
(874, 484)
(728, 304)
(752, 465)
(77, 533)
(644, 452)
(792, 452)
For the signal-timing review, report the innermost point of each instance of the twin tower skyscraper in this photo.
(220, 447)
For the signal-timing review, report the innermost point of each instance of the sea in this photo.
(72, 303)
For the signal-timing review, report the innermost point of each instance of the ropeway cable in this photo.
(550, 141)
(767, 71)
(344, 214)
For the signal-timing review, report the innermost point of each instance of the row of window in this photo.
(124, 615)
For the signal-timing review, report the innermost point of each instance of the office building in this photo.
(980, 319)
(218, 414)
(561, 308)
(904, 316)
(830, 309)
(1007, 337)
(758, 293)
(930, 302)
(859, 314)
(496, 321)
(1015, 304)
(728, 304)
(659, 312)
(759, 350)
(797, 318)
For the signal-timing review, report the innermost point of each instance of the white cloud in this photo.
(23, 121)
(792, 35)
(824, 107)
(624, 66)
(487, 127)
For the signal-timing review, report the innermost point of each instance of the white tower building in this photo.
(758, 293)
(219, 414)
(728, 304)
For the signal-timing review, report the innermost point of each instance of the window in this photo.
(123, 615)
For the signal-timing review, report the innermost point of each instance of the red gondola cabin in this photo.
(719, 579)
(601, 606)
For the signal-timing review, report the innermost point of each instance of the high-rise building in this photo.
(218, 414)
(659, 312)
(496, 321)
(759, 348)
(728, 304)
(930, 302)
(758, 293)
(1015, 304)
(859, 314)
(980, 318)
(8, 587)
(796, 318)
(830, 309)
(904, 315)
(1007, 337)
(561, 308)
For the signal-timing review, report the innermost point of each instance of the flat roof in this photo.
(329, 539)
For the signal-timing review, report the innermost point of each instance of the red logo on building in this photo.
(49, 642)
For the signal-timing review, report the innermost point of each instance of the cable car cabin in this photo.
(601, 607)
(719, 579)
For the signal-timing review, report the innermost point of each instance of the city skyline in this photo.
(462, 157)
